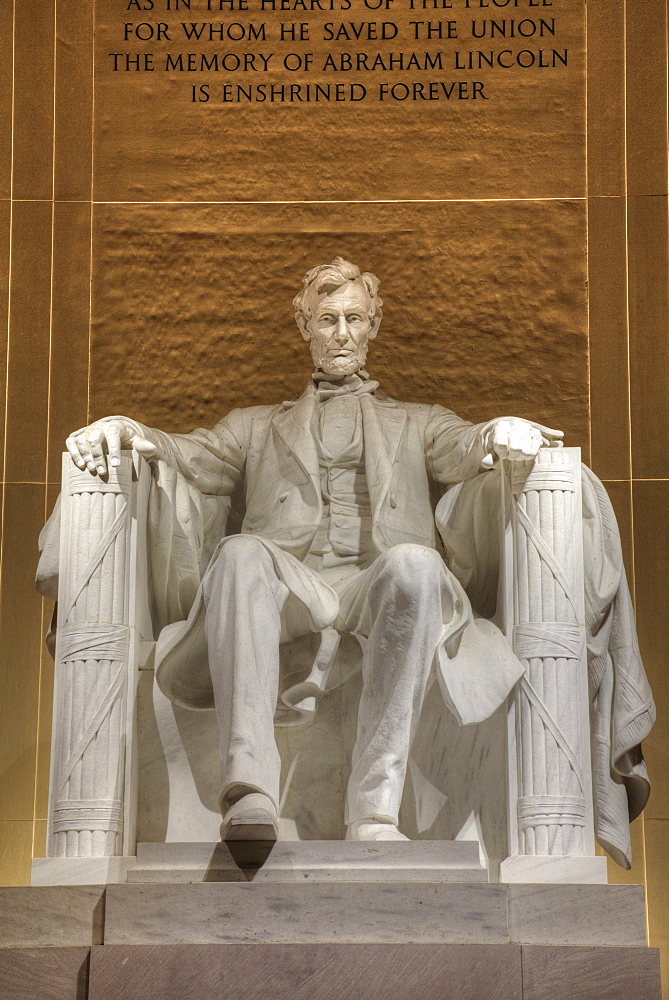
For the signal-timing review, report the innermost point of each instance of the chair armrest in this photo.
(543, 612)
(103, 618)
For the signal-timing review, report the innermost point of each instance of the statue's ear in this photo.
(301, 321)
(376, 323)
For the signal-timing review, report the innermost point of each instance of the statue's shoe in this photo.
(253, 817)
(369, 829)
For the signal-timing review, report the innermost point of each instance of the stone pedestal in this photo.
(311, 940)
(573, 870)
(316, 860)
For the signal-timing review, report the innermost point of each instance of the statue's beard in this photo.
(338, 367)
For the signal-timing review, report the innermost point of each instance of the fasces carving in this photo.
(91, 677)
(550, 738)
(103, 618)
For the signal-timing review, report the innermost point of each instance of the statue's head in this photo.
(338, 310)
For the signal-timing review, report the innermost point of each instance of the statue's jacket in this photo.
(271, 452)
(257, 472)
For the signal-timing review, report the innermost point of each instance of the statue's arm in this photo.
(211, 460)
(457, 450)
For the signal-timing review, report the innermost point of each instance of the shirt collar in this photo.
(353, 385)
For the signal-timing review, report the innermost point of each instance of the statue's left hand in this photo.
(519, 440)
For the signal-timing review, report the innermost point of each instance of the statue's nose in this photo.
(341, 333)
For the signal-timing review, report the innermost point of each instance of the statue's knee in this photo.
(244, 552)
(409, 564)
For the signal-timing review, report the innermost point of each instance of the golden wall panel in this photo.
(657, 891)
(153, 143)
(651, 549)
(73, 99)
(6, 87)
(649, 343)
(609, 348)
(606, 97)
(5, 255)
(70, 327)
(33, 98)
(40, 829)
(16, 839)
(20, 644)
(2, 496)
(646, 123)
(28, 361)
(187, 325)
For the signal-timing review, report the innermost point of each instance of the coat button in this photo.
(339, 522)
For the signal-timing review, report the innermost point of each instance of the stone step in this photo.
(296, 913)
(315, 860)
(374, 912)
(373, 972)
(330, 972)
(318, 941)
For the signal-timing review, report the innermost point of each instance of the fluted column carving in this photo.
(550, 800)
(91, 809)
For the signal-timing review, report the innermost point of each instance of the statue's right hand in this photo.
(91, 446)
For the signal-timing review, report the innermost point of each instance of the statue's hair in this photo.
(329, 277)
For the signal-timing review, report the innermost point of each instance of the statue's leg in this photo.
(244, 598)
(397, 604)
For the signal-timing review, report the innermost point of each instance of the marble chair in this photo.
(128, 766)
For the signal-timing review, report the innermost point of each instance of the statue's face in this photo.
(339, 329)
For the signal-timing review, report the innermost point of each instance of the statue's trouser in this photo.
(398, 604)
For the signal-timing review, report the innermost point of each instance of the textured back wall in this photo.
(150, 250)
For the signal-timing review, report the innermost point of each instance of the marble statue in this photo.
(342, 533)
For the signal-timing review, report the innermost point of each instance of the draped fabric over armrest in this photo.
(183, 528)
(622, 712)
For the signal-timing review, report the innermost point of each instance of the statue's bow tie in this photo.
(353, 385)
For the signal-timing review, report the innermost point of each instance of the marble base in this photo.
(374, 913)
(612, 915)
(315, 860)
(590, 973)
(306, 972)
(80, 871)
(556, 870)
(329, 972)
(310, 941)
(306, 911)
(298, 913)
(51, 916)
(44, 973)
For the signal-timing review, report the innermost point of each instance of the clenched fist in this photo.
(519, 440)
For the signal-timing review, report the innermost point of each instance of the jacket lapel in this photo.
(383, 424)
(293, 425)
